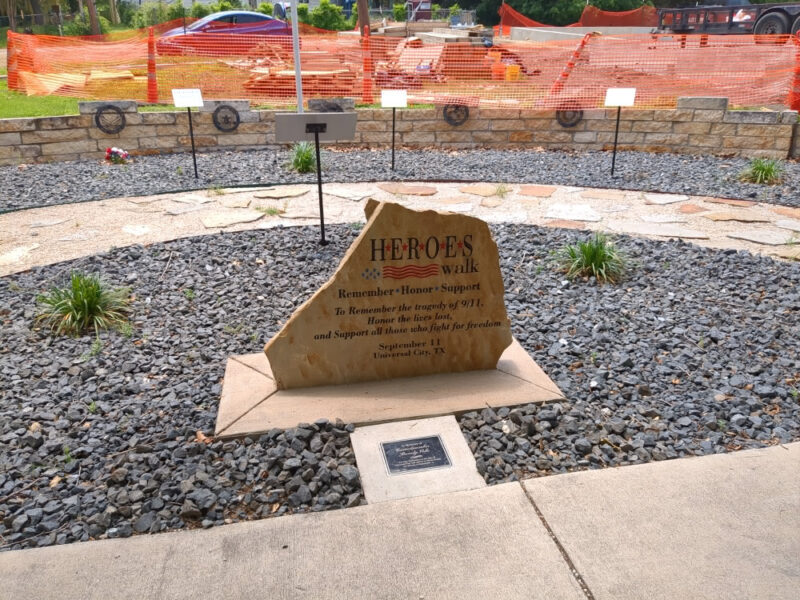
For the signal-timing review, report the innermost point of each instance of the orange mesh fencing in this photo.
(644, 16)
(750, 70)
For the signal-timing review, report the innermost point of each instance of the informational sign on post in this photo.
(394, 99)
(188, 99)
(618, 97)
(320, 127)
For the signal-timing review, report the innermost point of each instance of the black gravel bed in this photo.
(59, 183)
(695, 353)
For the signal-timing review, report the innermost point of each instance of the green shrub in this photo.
(328, 16)
(149, 13)
(87, 303)
(399, 13)
(176, 11)
(302, 14)
(198, 11)
(303, 159)
(265, 8)
(763, 170)
(82, 26)
(596, 257)
(454, 10)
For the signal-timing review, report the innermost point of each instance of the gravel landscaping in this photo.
(58, 183)
(695, 353)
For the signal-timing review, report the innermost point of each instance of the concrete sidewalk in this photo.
(723, 526)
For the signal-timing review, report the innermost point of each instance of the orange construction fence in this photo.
(644, 16)
(537, 75)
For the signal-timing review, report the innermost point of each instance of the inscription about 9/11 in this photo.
(417, 454)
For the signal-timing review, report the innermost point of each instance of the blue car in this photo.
(227, 32)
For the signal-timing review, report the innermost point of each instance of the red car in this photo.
(228, 32)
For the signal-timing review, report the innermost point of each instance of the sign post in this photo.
(327, 127)
(188, 98)
(618, 97)
(394, 99)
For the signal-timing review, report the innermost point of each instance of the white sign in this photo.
(189, 98)
(394, 98)
(620, 96)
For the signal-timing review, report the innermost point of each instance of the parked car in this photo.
(227, 32)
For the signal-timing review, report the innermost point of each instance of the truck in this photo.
(732, 17)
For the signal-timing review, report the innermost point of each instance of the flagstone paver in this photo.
(537, 191)
(572, 212)
(788, 224)
(663, 199)
(787, 211)
(56, 233)
(663, 219)
(765, 237)
(565, 224)
(403, 189)
(604, 194)
(659, 230)
(480, 189)
(728, 201)
(282, 191)
(743, 217)
(220, 220)
(691, 209)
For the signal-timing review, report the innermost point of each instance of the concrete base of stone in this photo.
(251, 403)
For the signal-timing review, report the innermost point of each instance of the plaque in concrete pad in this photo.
(414, 458)
(416, 454)
(417, 293)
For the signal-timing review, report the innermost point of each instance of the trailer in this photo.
(732, 17)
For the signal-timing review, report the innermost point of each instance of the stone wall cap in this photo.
(88, 108)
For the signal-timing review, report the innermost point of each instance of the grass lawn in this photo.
(14, 105)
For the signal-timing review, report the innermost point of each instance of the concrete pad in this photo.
(218, 220)
(485, 543)
(763, 237)
(663, 199)
(572, 212)
(283, 191)
(658, 230)
(380, 484)
(516, 380)
(723, 526)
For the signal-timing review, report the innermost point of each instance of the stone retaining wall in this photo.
(696, 126)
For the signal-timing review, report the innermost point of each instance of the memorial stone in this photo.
(417, 293)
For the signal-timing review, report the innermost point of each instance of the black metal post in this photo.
(322, 240)
(191, 136)
(394, 112)
(616, 135)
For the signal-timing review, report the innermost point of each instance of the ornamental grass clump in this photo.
(303, 160)
(596, 257)
(86, 303)
(763, 170)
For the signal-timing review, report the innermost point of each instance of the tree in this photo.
(93, 20)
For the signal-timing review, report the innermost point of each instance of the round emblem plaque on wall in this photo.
(226, 118)
(109, 119)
